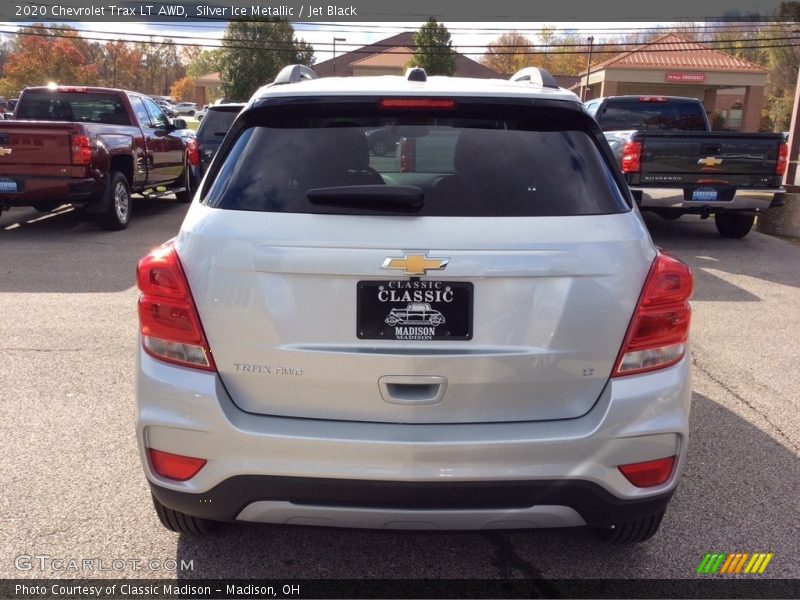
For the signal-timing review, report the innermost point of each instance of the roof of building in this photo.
(671, 51)
(465, 67)
(210, 79)
(396, 57)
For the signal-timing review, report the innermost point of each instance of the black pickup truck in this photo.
(676, 165)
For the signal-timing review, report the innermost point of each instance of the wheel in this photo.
(732, 225)
(391, 321)
(436, 320)
(632, 532)
(188, 192)
(118, 214)
(379, 148)
(191, 113)
(182, 523)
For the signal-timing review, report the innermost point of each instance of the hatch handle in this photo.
(412, 389)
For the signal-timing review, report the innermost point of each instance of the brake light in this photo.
(417, 103)
(652, 98)
(80, 150)
(70, 88)
(657, 335)
(168, 321)
(650, 473)
(175, 466)
(408, 155)
(193, 152)
(783, 158)
(631, 161)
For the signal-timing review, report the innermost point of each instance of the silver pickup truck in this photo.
(676, 165)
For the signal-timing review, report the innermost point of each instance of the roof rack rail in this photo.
(536, 76)
(295, 74)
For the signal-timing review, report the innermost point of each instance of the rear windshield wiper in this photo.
(401, 198)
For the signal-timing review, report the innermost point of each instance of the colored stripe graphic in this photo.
(727, 565)
(718, 564)
(703, 563)
(741, 562)
(764, 564)
(732, 564)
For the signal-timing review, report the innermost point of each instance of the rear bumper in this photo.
(674, 199)
(53, 190)
(362, 474)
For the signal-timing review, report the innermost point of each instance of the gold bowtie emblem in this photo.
(415, 264)
(709, 161)
(5, 151)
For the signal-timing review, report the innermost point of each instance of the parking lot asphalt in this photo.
(72, 486)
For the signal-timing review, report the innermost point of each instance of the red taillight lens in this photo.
(783, 159)
(192, 152)
(659, 329)
(650, 473)
(81, 150)
(168, 319)
(631, 157)
(175, 466)
(408, 155)
(417, 103)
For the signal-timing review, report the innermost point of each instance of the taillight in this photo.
(168, 319)
(650, 473)
(192, 152)
(652, 98)
(659, 329)
(631, 161)
(175, 466)
(783, 158)
(80, 149)
(408, 155)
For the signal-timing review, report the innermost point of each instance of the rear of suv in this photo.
(476, 333)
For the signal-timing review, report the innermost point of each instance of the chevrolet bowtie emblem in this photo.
(415, 264)
(709, 161)
(5, 151)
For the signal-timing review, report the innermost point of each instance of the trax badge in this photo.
(415, 264)
(709, 161)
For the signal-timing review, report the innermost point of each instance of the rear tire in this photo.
(118, 213)
(732, 225)
(188, 193)
(182, 523)
(632, 532)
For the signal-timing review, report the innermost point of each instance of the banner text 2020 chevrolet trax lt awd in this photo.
(550, 386)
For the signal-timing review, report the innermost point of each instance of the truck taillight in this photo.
(168, 320)
(631, 161)
(193, 152)
(408, 155)
(783, 158)
(659, 329)
(81, 150)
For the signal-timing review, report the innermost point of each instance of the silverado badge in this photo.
(5, 151)
(710, 161)
(415, 264)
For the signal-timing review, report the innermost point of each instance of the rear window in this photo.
(215, 125)
(620, 115)
(448, 165)
(73, 106)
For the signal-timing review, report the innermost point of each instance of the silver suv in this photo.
(272, 386)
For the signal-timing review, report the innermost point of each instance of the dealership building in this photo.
(671, 65)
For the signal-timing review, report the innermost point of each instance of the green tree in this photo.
(434, 51)
(254, 51)
(204, 63)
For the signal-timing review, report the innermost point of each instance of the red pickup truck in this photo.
(92, 148)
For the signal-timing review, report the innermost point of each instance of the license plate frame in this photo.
(9, 185)
(414, 310)
(705, 194)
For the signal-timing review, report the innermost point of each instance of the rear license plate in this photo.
(704, 194)
(414, 310)
(8, 185)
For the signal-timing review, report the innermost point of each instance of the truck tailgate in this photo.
(715, 157)
(35, 143)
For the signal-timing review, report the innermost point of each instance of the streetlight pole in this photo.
(336, 39)
(588, 68)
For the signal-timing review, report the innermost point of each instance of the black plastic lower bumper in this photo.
(224, 502)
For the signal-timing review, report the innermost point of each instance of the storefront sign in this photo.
(686, 77)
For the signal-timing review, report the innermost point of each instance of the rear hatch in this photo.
(492, 284)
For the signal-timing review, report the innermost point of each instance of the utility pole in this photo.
(336, 39)
(590, 39)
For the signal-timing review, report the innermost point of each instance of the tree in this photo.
(509, 53)
(183, 90)
(204, 63)
(434, 51)
(254, 51)
(121, 66)
(38, 57)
